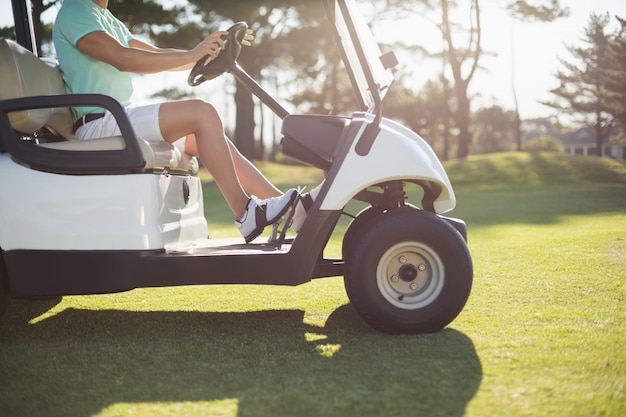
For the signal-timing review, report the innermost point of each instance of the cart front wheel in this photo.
(410, 272)
(3, 279)
(356, 228)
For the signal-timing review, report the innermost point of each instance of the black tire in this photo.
(3, 299)
(3, 283)
(410, 272)
(357, 227)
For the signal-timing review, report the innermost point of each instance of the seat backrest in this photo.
(23, 75)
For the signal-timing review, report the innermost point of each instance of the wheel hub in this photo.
(410, 275)
(407, 273)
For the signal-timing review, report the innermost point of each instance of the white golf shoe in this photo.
(261, 213)
(303, 205)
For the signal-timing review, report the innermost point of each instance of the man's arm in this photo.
(143, 58)
(138, 44)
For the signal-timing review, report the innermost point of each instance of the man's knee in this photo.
(203, 108)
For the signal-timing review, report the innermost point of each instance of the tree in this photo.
(614, 75)
(145, 16)
(134, 13)
(456, 59)
(495, 130)
(427, 113)
(463, 49)
(461, 58)
(523, 11)
(274, 22)
(468, 57)
(544, 144)
(582, 89)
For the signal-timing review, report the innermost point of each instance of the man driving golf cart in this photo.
(97, 54)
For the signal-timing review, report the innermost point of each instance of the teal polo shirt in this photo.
(83, 74)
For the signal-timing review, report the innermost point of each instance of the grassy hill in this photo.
(497, 169)
(519, 178)
(535, 188)
(522, 168)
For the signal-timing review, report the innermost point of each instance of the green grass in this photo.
(543, 333)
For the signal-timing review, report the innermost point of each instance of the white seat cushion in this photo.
(157, 155)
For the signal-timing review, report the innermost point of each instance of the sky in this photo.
(538, 48)
(524, 54)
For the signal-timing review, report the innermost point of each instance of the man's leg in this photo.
(251, 179)
(180, 118)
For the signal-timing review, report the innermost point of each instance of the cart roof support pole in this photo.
(24, 24)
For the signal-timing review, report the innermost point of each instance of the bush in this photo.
(544, 144)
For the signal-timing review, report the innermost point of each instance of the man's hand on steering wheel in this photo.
(210, 47)
(221, 50)
(248, 38)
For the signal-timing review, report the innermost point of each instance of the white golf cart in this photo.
(117, 213)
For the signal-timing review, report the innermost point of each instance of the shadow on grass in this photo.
(268, 363)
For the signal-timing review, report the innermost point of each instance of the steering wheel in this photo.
(204, 71)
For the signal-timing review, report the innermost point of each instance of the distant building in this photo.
(583, 142)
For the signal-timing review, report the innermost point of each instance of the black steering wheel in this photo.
(204, 71)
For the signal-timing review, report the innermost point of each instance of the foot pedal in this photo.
(274, 236)
(278, 235)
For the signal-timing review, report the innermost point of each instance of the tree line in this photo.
(293, 39)
(592, 80)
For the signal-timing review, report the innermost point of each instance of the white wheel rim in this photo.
(410, 275)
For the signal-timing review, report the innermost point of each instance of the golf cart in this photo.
(117, 213)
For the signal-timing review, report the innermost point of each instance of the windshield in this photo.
(362, 57)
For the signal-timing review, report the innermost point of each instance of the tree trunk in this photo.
(463, 120)
(456, 59)
(260, 144)
(599, 135)
(446, 110)
(244, 122)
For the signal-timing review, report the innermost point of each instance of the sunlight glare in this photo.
(57, 309)
(328, 350)
(222, 408)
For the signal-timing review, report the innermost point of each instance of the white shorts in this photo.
(144, 119)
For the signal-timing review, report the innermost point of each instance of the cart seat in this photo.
(23, 74)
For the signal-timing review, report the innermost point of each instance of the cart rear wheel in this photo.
(409, 272)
